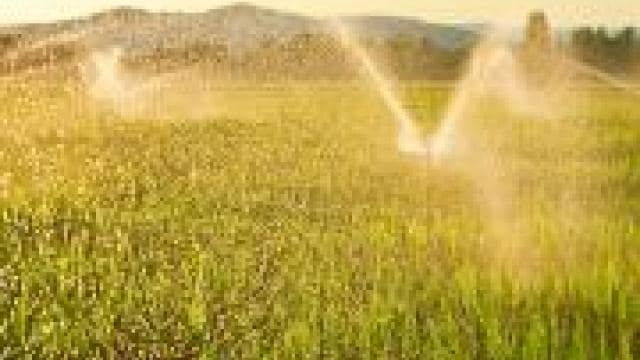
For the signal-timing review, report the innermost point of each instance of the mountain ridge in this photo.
(243, 20)
(239, 36)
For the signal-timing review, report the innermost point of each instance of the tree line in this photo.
(609, 50)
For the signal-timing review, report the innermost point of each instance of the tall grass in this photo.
(288, 226)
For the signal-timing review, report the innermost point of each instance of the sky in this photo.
(507, 12)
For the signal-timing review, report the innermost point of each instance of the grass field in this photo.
(288, 226)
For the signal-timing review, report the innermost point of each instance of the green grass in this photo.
(289, 227)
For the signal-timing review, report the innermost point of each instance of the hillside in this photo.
(236, 36)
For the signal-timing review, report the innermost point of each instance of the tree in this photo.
(611, 52)
(538, 32)
(537, 47)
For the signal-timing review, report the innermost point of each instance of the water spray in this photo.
(409, 141)
(493, 71)
(102, 73)
(109, 84)
(602, 76)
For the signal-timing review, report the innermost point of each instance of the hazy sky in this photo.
(561, 12)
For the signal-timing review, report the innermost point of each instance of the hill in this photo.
(233, 35)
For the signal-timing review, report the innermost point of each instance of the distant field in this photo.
(285, 224)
